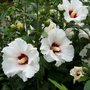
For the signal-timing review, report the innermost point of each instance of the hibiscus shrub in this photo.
(44, 44)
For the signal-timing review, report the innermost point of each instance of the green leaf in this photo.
(1, 78)
(87, 85)
(84, 78)
(5, 87)
(60, 87)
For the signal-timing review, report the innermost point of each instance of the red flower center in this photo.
(55, 47)
(72, 14)
(22, 59)
(78, 73)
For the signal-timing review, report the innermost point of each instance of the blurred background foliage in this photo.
(34, 15)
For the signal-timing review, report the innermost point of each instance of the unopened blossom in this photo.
(74, 10)
(57, 47)
(20, 58)
(69, 32)
(84, 33)
(83, 54)
(51, 26)
(77, 73)
(13, 26)
(19, 25)
(53, 11)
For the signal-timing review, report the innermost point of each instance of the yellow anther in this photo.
(56, 49)
(73, 14)
(22, 61)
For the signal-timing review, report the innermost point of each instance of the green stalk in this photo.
(24, 17)
(37, 9)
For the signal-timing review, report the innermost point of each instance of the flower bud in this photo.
(69, 32)
(51, 25)
(13, 26)
(19, 25)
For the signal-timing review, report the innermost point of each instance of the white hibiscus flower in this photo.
(20, 58)
(77, 73)
(74, 10)
(56, 47)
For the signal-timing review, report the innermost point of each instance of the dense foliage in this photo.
(33, 16)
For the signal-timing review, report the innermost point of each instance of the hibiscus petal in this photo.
(22, 76)
(67, 53)
(10, 66)
(19, 44)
